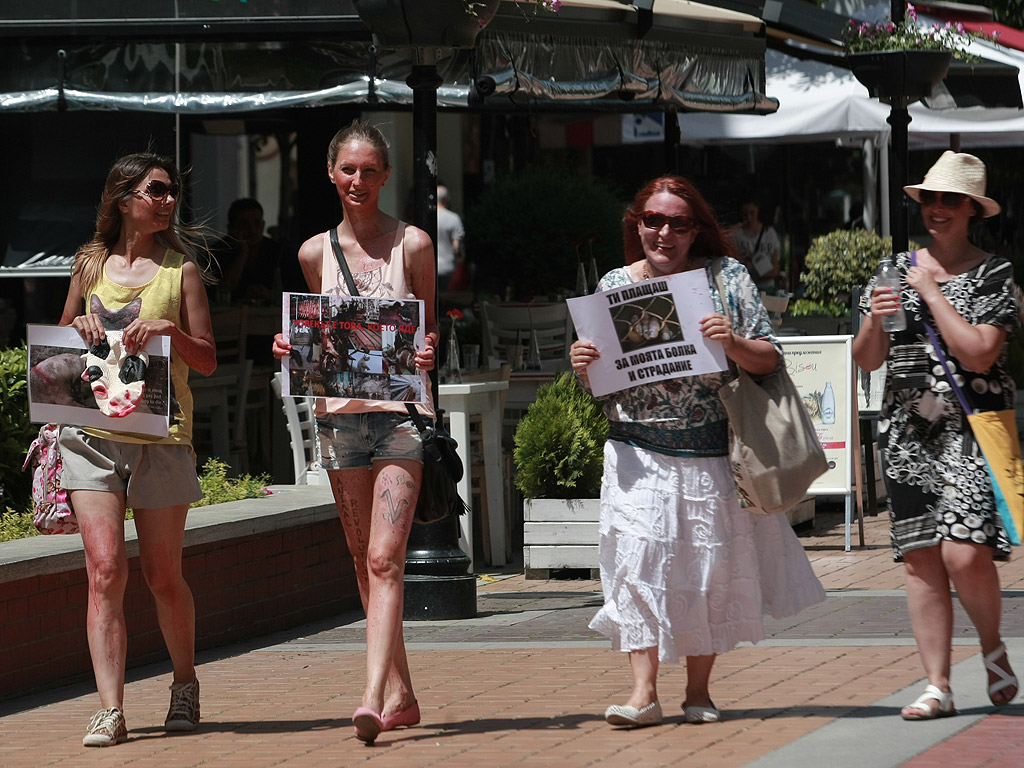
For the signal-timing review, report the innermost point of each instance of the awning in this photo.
(230, 58)
(193, 56)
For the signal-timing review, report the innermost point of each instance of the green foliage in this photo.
(530, 229)
(16, 525)
(218, 487)
(16, 432)
(836, 263)
(559, 443)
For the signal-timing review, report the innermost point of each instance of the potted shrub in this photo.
(559, 454)
(835, 264)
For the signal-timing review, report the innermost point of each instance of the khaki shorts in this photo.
(151, 475)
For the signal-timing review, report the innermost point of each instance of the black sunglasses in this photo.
(947, 199)
(158, 190)
(678, 224)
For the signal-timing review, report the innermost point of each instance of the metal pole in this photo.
(899, 119)
(437, 582)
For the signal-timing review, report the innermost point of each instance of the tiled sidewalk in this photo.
(526, 683)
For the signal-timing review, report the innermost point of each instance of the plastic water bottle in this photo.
(889, 277)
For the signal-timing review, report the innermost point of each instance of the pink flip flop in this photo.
(367, 724)
(408, 716)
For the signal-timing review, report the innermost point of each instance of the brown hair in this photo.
(357, 130)
(711, 240)
(121, 180)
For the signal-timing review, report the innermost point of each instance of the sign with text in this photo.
(648, 331)
(354, 347)
(822, 370)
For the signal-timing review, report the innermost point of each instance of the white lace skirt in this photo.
(684, 568)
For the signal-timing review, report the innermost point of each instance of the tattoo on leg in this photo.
(394, 511)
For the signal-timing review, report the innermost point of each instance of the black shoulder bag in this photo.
(442, 467)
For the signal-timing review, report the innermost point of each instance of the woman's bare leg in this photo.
(101, 519)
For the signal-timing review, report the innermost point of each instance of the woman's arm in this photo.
(311, 261)
(194, 340)
(871, 346)
(421, 276)
(975, 346)
(755, 356)
(89, 327)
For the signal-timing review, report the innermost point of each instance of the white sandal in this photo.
(931, 693)
(1006, 679)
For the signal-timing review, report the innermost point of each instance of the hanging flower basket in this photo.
(443, 23)
(903, 76)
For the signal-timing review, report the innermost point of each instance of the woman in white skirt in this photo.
(685, 570)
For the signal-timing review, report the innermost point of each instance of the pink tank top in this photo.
(386, 282)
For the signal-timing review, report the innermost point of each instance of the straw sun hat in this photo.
(957, 172)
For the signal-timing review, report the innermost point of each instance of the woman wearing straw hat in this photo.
(945, 526)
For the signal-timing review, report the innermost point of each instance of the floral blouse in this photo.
(685, 416)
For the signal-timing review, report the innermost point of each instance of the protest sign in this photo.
(354, 347)
(648, 331)
(58, 393)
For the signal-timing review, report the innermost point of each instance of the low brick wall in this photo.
(254, 566)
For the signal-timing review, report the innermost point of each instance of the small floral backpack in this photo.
(52, 512)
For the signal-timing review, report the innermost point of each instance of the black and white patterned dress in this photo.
(937, 483)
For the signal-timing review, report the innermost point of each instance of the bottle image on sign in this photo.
(828, 405)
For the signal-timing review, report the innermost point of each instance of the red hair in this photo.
(711, 240)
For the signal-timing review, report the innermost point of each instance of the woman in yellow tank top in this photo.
(137, 274)
(372, 449)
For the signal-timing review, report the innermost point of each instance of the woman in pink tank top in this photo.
(373, 453)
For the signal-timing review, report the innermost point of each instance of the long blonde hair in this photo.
(121, 180)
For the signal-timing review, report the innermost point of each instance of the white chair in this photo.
(298, 414)
(218, 414)
(506, 328)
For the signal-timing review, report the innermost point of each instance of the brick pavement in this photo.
(525, 684)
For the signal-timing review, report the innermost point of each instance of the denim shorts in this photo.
(356, 440)
(151, 475)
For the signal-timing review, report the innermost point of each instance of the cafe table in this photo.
(460, 402)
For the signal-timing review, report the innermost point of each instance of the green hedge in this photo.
(16, 431)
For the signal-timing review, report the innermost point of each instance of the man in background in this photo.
(450, 235)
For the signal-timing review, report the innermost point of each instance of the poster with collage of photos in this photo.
(354, 347)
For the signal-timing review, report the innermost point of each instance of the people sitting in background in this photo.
(251, 262)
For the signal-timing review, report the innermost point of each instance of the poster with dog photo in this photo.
(103, 387)
(354, 347)
(648, 331)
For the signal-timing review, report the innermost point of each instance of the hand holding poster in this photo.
(354, 347)
(648, 331)
(101, 388)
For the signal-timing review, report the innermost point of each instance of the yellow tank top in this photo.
(161, 300)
